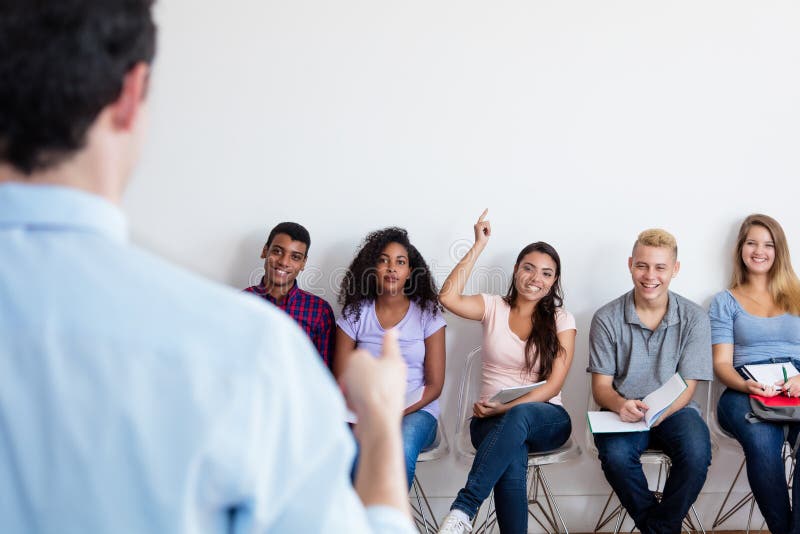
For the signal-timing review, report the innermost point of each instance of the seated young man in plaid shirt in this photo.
(285, 255)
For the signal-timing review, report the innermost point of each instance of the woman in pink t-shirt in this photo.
(527, 337)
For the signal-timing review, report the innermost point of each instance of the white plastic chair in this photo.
(648, 457)
(542, 505)
(421, 511)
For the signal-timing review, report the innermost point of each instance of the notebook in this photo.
(657, 402)
(513, 393)
(770, 373)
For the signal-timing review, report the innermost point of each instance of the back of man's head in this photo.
(61, 63)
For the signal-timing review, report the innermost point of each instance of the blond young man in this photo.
(637, 342)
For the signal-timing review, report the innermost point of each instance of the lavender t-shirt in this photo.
(413, 330)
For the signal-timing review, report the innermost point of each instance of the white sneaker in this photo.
(453, 524)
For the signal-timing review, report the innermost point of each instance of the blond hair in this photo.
(784, 285)
(656, 237)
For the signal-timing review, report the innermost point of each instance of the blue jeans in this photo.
(762, 443)
(501, 460)
(683, 437)
(419, 432)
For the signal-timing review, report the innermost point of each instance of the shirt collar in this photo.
(670, 318)
(60, 208)
(262, 290)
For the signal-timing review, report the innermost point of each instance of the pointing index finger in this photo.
(390, 346)
(483, 215)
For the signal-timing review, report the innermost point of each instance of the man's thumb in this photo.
(391, 348)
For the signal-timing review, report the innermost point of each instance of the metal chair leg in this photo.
(418, 510)
(620, 518)
(690, 524)
(724, 516)
(604, 519)
(620, 513)
(489, 518)
(551, 514)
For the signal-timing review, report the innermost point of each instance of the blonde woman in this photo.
(757, 320)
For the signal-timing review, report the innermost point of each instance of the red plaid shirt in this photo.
(312, 313)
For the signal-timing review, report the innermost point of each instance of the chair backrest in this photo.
(439, 448)
(591, 406)
(715, 391)
(468, 392)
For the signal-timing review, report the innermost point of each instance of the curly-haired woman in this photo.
(527, 337)
(388, 285)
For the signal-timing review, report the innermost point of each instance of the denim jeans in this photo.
(419, 432)
(762, 443)
(501, 460)
(683, 437)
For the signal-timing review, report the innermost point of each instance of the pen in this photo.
(785, 378)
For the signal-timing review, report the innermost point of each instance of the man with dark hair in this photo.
(165, 403)
(285, 254)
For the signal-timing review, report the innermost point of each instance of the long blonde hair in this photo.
(784, 286)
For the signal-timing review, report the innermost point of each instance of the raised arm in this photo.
(451, 296)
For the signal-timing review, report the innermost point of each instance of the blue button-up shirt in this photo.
(137, 397)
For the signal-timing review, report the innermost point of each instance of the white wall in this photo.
(578, 123)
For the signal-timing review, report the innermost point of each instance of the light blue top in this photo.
(754, 338)
(413, 329)
(137, 397)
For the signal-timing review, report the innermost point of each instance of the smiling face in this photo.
(758, 250)
(652, 269)
(392, 269)
(283, 261)
(534, 275)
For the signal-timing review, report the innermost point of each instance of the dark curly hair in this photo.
(542, 345)
(360, 280)
(61, 63)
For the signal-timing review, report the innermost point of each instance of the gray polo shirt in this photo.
(640, 359)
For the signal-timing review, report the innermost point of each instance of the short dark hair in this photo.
(61, 63)
(296, 231)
